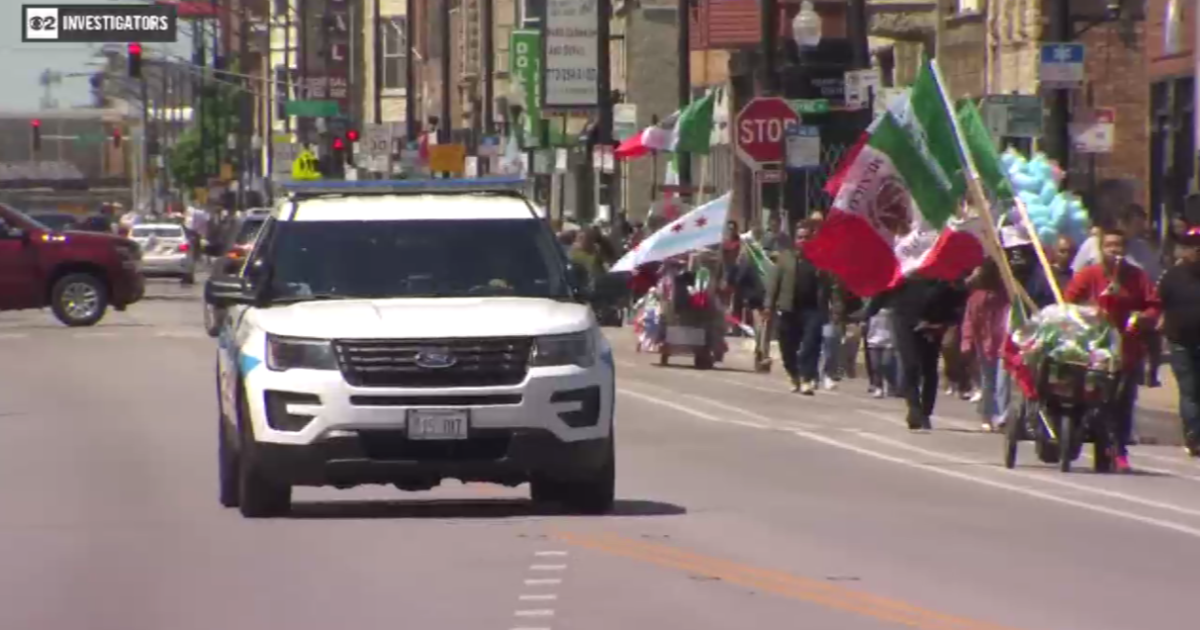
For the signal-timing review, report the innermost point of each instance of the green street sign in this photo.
(90, 139)
(809, 106)
(311, 109)
(525, 56)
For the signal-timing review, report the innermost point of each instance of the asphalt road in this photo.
(742, 506)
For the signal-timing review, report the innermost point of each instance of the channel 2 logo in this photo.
(41, 23)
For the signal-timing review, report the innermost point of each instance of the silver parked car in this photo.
(166, 251)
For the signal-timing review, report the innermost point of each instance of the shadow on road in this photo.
(688, 366)
(474, 508)
(167, 297)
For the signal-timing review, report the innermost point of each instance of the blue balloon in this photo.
(1047, 235)
(1027, 183)
(1049, 192)
(1029, 198)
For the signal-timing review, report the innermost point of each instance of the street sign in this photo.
(311, 109)
(1092, 131)
(1062, 66)
(1013, 115)
(803, 146)
(760, 130)
(376, 140)
(861, 85)
(804, 106)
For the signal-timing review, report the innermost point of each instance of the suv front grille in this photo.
(394, 363)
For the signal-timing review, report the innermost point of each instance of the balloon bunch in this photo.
(1054, 212)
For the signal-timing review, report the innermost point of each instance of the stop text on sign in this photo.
(753, 131)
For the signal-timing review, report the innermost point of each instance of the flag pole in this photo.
(1047, 269)
(979, 198)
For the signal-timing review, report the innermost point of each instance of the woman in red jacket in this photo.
(1129, 300)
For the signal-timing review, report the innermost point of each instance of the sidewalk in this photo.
(1163, 399)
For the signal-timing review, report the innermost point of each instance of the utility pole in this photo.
(148, 187)
(856, 31)
(489, 69)
(447, 89)
(303, 52)
(245, 112)
(377, 29)
(1059, 133)
(287, 65)
(770, 45)
(218, 104)
(685, 84)
(410, 70)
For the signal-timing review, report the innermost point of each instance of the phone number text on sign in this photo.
(572, 59)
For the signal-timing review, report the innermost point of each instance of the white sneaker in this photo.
(877, 393)
(828, 384)
(976, 396)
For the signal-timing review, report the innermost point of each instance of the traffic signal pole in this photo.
(147, 181)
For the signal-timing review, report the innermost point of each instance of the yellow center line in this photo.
(776, 582)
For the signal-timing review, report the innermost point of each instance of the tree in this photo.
(191, 162)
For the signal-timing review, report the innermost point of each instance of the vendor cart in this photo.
(692, 320)
(1073, 405)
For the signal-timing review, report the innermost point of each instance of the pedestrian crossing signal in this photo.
(35, 129)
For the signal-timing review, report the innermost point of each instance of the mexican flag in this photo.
(757, 257)
(893, 214)
(688, 130)
(984, 153)
(1010, 353)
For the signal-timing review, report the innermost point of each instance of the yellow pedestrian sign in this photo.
(305, 167)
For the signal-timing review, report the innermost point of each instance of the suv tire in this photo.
(258, 495)
(227, 467)
(79, 299)
(594, 494)
(212, 321)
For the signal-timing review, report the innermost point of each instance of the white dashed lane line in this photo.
(540, 590)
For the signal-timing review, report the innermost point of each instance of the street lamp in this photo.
(806, 26)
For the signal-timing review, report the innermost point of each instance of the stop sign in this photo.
(759, 130)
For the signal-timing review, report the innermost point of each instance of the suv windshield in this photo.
(381, 259)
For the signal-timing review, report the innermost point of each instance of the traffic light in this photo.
(135, 60)
(352, 135)
(35, 129)
(117, 138)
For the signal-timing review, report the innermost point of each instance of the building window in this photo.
(395, 53)
(969, 6)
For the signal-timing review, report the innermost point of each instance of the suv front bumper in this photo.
(558, 421)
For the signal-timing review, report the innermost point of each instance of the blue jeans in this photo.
(884, 369)
(1185, 363)
(800, 343)
(831, 350)
(997, 388)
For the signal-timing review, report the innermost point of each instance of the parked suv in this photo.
(77, 274)
(404, 333)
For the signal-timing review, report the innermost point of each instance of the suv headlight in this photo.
(290, 353)
(573, 349)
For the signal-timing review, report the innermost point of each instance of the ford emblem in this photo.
(435, 359)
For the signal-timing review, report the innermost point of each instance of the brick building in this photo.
(994, 48)
(1170, 83)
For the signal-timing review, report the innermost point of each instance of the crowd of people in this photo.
(925, 334)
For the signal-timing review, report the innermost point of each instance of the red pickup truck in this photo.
(77, 274)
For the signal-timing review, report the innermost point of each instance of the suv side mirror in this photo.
(226, 291)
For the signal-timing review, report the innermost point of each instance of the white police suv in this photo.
(405, 333)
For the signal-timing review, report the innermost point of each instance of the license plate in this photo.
(438, 424)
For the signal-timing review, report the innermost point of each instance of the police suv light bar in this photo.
(407, 186)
